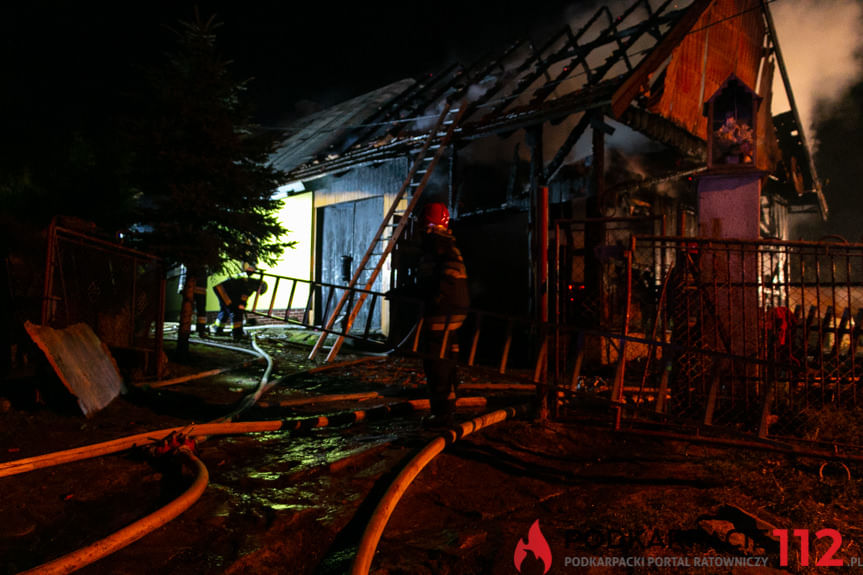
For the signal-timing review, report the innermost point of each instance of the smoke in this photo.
(821, 44)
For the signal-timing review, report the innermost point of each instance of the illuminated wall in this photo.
(296, 216)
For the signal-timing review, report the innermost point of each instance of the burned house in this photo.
(576, 141)
(627, 205)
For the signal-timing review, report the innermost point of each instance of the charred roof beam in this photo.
(430, 92)
(654, 29)
(581, 58)
(591, 97)
(637, 78)
(477, 77)
(453, 90)
(664, 131)
(587, 99)
(612, 25)
(632, 35)
(375, 123)
(550, 171)
(487, 95)
(538, 70)
(671, 17)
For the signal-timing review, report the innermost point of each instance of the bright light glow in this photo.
(296, 216)
(292, 188)
(818, 39)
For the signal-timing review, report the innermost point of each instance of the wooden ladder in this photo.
(392, 226)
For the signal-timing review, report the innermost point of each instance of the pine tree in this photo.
(205, 196)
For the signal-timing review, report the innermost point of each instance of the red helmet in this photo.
(436, 214)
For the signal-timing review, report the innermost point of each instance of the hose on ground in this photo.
(264, 385)
(19, 466)
(386, 506)
(131, 533)
(200, 375)
(91, 553)
(131, 441)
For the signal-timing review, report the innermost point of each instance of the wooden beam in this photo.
(633, 83)
(556, 163)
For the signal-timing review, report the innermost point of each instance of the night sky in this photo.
(320, 51)
(327, 52)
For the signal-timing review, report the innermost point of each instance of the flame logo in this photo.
(537, 545)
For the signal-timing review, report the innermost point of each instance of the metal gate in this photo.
(117, 291)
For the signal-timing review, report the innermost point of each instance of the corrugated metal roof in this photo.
(314, 134)
(82, 362)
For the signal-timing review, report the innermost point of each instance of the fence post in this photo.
(663, 386)
(540, 378)
(505, 355)
(617, 390)
(764, 425)
(712, 393)
(579, 359)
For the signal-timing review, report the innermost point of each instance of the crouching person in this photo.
(233, 293)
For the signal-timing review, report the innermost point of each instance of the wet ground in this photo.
(298, 502)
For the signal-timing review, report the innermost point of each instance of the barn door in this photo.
(346, 231)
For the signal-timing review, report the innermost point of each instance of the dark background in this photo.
(66, 65)
(324, 52)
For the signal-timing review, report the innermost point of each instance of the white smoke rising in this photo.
(821, 42)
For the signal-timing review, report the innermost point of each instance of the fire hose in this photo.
(256, 351)
(135, 531)
(386, 506)
(19, 466)
(131, 533)
(77, 559)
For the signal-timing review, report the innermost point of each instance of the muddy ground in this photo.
(298, 502)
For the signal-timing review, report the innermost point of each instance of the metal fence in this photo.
(593, 290)
(756, 336)
(750, 334)
(117, 291)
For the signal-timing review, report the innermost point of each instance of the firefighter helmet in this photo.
(436, 214)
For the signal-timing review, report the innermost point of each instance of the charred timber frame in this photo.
(612, 95)
(635, 80)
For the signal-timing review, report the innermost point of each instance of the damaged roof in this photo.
(651, 67)
(304, 140)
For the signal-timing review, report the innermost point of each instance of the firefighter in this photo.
(201, 305)
(233, 294)
(199, 298)
(443, 288)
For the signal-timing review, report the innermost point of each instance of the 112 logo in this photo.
(826, 560)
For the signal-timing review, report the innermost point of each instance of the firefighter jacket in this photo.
(442, 279)
(234, 292)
